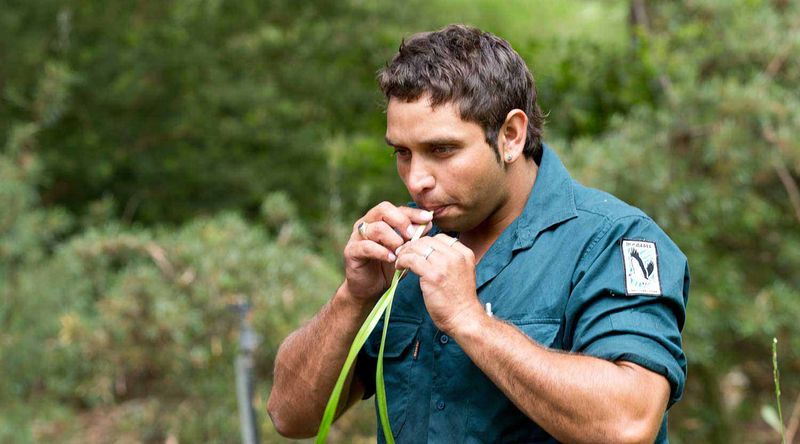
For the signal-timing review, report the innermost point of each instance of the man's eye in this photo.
(443, 149)
(401, 153)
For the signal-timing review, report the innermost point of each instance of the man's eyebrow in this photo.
(389, 142)
(440, 141)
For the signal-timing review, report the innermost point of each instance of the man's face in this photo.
(445, 163)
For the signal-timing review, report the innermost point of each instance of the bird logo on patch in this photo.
(640, 260)
(646, 271)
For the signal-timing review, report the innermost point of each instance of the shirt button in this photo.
(444, 339)
(440, 405)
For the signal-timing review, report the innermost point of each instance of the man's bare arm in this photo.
(573, 397)
(308, 364)
(310, 359)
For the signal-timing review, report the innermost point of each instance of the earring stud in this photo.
(508, 157)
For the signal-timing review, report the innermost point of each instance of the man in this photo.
(536, 310)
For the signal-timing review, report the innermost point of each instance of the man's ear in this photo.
(511, 139)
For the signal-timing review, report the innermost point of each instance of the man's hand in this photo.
(446, 270)
(369, 255)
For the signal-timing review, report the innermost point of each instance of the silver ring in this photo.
(362, 230)
(452, 242)
(428, 252)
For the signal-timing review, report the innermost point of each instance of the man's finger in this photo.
(413, 262)
(455, 245)
(421, 248)
(369, 250)
(417, 216)
(445, 239)
(399, 218)
(381, 233)
(392, 215)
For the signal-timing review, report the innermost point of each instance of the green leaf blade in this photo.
(380, 387)
(360, 339)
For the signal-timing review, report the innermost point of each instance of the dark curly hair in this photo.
(478, 71)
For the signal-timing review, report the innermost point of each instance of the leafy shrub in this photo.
(119, 316)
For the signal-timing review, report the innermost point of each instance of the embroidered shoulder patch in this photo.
(641, 267)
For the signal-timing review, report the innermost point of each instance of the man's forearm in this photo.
(308, 363)
(573, 397)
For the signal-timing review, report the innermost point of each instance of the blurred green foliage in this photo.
(715, 163)
(162, 160)
(139, 317)
(178, 109)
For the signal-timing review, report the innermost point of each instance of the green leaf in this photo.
(380, 388)
(361, 337)
(770, 416)
(384, 305)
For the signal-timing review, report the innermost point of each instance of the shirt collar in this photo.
(551, 201)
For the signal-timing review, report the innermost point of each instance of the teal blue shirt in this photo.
(579, 270)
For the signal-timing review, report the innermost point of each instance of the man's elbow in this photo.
(637, 430)
(641, 421)
(287, 425)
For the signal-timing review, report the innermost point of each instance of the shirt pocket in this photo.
(544, 331)
(498, 419)
(398, 364)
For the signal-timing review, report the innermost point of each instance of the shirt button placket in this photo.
(440, 379)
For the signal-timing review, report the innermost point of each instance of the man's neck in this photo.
(522, 176)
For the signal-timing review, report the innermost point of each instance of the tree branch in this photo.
(783, 172)
(790, 185)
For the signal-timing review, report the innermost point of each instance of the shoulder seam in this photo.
(596, 239)
(641, 213)
(609, 223)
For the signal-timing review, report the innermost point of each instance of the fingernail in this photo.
(392, 257)
(398, 250)
(410, 230)
(426, 215)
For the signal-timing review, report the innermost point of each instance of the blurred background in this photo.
(164, 159)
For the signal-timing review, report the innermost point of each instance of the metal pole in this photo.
(248, 340)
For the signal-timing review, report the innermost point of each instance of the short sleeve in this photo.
(628, 300)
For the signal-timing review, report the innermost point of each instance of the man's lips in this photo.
(437, 209)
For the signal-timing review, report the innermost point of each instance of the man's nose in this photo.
(420, 177)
